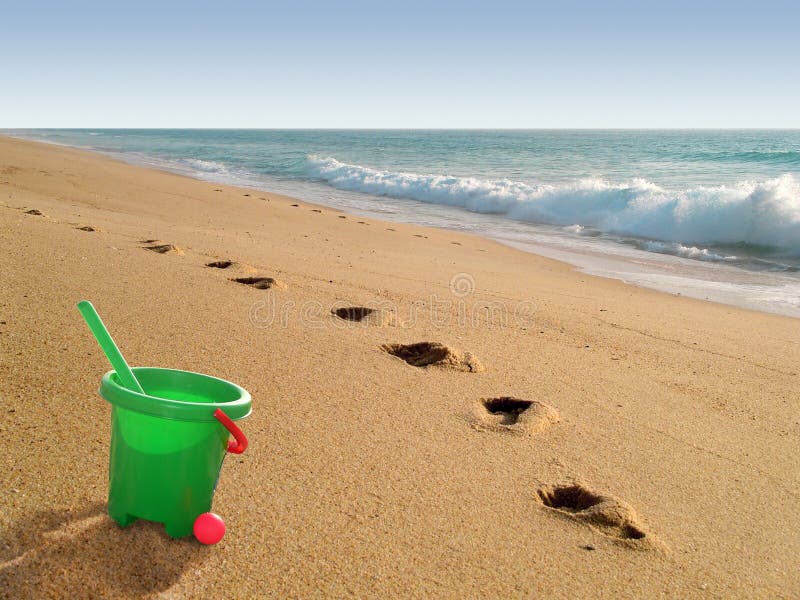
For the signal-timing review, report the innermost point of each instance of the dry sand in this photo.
(571, 437)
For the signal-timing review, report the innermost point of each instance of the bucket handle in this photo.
(237, 445)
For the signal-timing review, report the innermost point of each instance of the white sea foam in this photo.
(206, 166)
(765, 213)
(688, 251)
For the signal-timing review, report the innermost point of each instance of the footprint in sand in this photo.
(368, 316)
(164, 248)
(220, 264)
(260, 283)
(514, 415)
(434, 354)
(602, 512)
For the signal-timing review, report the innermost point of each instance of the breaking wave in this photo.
(758, 213)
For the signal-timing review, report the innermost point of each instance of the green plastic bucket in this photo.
(167, 445)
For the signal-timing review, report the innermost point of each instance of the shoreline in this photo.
(368, 475)
(713, 282)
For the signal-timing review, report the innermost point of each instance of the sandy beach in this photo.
(496, 424)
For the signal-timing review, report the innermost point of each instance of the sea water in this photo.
(710, 214)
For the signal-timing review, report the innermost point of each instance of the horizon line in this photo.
(129, 128)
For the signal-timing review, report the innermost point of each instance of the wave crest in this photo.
(765, 213)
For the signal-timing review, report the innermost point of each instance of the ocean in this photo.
(709, 214)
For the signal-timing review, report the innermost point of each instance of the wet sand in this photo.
(434, 414)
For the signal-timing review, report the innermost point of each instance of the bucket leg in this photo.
(118, 510)
(122, 518)
(179, 529)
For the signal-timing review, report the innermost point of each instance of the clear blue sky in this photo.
(400, 64)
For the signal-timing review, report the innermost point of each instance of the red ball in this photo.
(209, 528)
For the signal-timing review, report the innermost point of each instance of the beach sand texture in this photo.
(435, 415)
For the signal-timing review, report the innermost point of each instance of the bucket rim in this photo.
(113, 392)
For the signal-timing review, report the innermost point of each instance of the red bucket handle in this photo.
(237, 445)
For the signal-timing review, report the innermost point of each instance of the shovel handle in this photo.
(239, 443)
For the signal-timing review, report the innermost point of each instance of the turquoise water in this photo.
(690, 200)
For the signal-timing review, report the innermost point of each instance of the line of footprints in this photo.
(603, 513)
